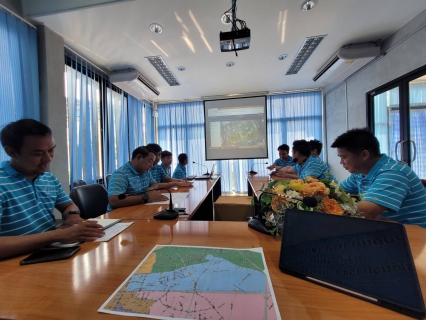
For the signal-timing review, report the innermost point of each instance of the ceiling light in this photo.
(181, 68)
(229, 64)
(308, 5)
(305, 51)
(163, 70)
(282, 57)
(156, 28)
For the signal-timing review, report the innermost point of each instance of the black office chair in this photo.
(78, 183)
(107, 178)
(91, 199)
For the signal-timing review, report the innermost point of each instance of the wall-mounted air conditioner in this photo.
(346, 61)
(131, 81)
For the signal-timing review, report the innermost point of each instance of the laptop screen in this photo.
(368, 259)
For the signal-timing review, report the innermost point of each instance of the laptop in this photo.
(368, 259)
(207, 176)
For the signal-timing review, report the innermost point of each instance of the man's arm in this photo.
(286, 172)
(69, 219)
(17, 245)
(173, 183)
(370, 210)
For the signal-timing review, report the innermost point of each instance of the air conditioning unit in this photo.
(346, 61)
(131, 81)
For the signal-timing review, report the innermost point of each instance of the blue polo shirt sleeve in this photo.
(178, 173)
(389, 189)
(118, 184)
(61, 197)
(151, 179)
(350, 185)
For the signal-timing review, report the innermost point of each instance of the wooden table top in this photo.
(76, 288)
(256, 182)
(197, 193)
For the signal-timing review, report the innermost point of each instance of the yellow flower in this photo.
(314, 189)
(310, 179)
(279, 189)
(296, 185)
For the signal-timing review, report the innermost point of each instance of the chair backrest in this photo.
(91, 199)
(424, 182)
(107, 178)
(77, 183)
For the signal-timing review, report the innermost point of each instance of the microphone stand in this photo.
(254, 172)
(207, 172)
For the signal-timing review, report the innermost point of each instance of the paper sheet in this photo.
(177, 197)
(112, 231)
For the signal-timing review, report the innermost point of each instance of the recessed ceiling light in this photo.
(229, 64)
(282, 57)
(181, 68)
(156, 28)
(226, 18)
(308, 5)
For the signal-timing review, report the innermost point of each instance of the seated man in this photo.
(284, 159)
(166, 162)
(180, 171)
(133, 179)
(306, 165)
(316, 147)
(388, 188)
(159, 175)
(28, 194)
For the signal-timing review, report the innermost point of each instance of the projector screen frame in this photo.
(235, 101)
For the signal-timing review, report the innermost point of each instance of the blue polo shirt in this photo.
(26, 207)
(180, 172)
(127, 180)
(158, 173)
(168, 172)
(393, 185)
(281, 163)
(314, 167)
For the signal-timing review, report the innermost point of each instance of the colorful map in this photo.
(181, 282)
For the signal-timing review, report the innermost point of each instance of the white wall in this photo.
(345, 106)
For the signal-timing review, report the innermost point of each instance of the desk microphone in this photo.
(207, 173)
(254, 172)
(169, 214)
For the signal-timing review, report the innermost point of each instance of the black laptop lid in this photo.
(368, 259)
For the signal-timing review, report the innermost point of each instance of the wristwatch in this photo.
(145, 197)
(74, 212)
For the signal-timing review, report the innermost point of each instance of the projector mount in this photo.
(239, 37)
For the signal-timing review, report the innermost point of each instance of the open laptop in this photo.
(368, 259)
(207, 176)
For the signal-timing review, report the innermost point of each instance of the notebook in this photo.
(207, 176)
(105, 223)
(368, 259)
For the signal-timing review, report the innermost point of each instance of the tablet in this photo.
(46, 255)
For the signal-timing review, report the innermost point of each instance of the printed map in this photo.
(181, 282)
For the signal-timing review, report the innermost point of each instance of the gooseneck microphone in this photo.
(254, 172)
(168, 214)
(207, 172)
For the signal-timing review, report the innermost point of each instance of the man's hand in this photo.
(155, 196)
(183, 183)
(82, 232)
(71, 220)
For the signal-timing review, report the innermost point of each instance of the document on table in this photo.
(112, 231)
(177, 198)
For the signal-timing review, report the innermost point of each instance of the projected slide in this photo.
(236, 128)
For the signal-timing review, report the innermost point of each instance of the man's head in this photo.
(283, 152)
(358, 149)
(301, 150)
(30, 145)
(316, 147)
(142, 159)
(183, 159)
(166, 158)
(156, 149)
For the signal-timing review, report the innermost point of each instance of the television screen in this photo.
(236, 128)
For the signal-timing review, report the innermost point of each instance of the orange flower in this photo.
(296, 185)
(279, 203)
(331, 206)
(310, 179)
(314, 188)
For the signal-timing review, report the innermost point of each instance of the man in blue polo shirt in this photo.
(133, 179)
(388, 188)
(28, 194)
(284, 159)
(306, 165)
(180, 170)
(159, 174)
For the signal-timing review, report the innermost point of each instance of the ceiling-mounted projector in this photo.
(234, 40)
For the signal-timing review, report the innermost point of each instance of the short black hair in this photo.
(284, 147)
(154, 147)
(143, 151)
(13, 134)
(316, 144)
(166, 153)
(356, 140)
(303, 147)
(182, 158)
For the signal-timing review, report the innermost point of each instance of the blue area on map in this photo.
(215, 275)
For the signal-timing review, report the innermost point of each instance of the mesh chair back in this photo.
(91, 199)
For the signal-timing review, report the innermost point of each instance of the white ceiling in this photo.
(117, 36)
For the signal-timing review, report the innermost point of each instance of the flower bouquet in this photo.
(310, 194)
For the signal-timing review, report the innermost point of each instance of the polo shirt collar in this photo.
(132, 169)
(11, 171)
(383, 159)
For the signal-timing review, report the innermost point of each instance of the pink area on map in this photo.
(210, 305)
